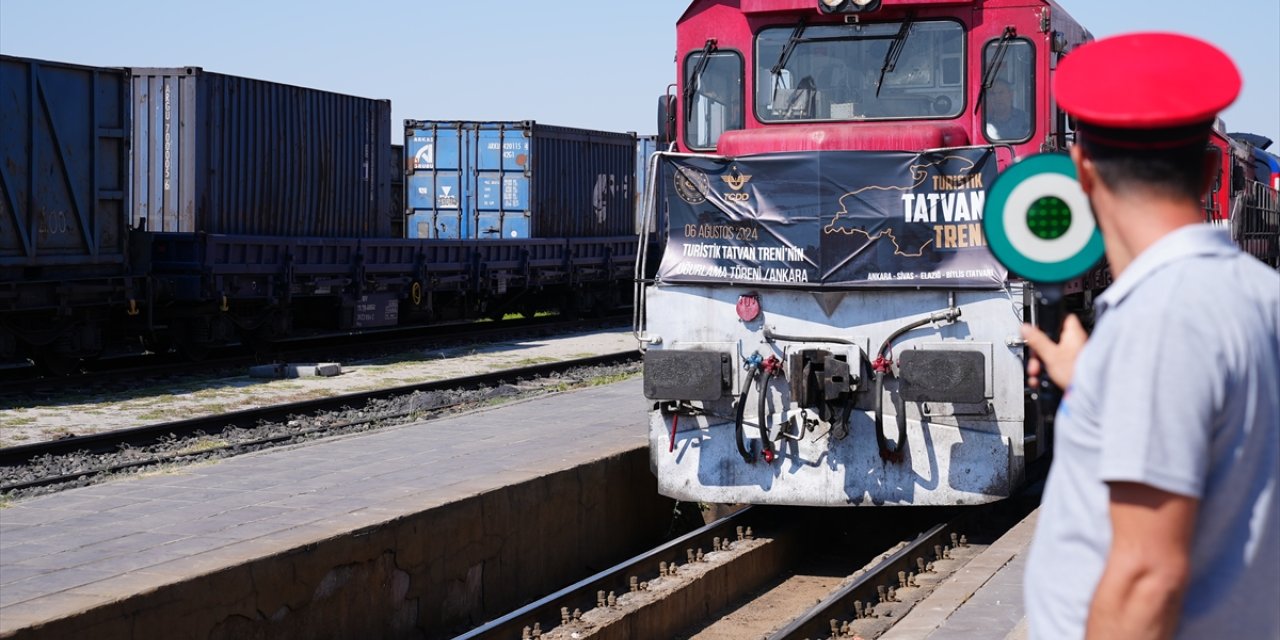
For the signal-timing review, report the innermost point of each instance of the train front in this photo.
(824, 324)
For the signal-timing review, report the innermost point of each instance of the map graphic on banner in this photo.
(846, 219)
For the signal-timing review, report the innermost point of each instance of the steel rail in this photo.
(583, 594)
(817, 622)
(822, 621)
(245, 445)
(326, 347)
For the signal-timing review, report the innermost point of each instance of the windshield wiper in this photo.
(997, 60)
(691, 87)
(895, 50)
(796, 34)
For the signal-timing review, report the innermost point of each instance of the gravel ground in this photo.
(39, 417)
(378, 414)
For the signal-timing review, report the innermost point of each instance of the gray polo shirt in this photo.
(1178, 388)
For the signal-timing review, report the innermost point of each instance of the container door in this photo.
(420, 153)
(502, 202)
(488, 212)
(502, 186)
(63, 166)
(164, 150)
(435, 185)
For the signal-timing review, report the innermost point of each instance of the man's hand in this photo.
(1056, 359)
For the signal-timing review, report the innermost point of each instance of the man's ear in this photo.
(1086, 172)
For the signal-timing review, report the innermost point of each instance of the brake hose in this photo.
(888, 451)
(893, 452)
(738, 431)
(760, 413)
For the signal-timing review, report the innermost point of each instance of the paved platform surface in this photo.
(982, 600)
(26, 418)
(79, 549)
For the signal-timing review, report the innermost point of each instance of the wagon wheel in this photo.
(530, 308)
(55, 363)
(571, 305)
(192, 340)
(261, 340)
(193, 350)
(157, 342)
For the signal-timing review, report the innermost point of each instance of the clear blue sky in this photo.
(593, 64)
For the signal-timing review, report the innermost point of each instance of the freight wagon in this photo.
(180, 208)
(243, 183)
(69, 275)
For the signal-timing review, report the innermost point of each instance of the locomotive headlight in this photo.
(748, 307)
(848, 6)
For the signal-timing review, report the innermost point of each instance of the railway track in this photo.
(868, 605)
(758, 572)
(79, 460)
(565, 607)
(111, 371)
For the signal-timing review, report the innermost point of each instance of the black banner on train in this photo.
(848, 219)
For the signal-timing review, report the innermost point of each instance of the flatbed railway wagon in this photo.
(184, 209)
(69, 276)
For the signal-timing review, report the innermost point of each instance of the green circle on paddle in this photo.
(1049, 218)
(1053, 221)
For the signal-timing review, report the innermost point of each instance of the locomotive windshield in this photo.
(887, 70)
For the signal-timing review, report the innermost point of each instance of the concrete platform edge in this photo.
(423, 575)
(932, 612)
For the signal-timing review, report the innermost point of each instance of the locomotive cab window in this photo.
(1009, 100)
(713, 97)
(860, 71)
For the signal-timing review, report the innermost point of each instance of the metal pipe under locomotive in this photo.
(183, 208)
(825, 325)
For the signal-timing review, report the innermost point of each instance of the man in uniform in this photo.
(1161, 515)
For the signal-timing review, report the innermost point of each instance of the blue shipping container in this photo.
(63, 167)
(224, 154)
(511, 180)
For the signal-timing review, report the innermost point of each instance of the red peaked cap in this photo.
(1146, 81)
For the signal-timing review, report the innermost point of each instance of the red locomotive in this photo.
(825, 324)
